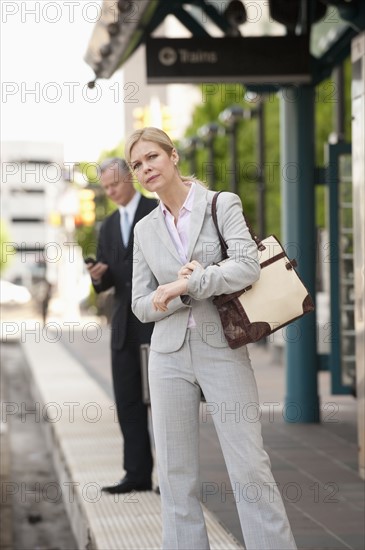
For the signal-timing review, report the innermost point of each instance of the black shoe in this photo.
(127, 486)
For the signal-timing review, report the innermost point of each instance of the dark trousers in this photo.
(132, 412)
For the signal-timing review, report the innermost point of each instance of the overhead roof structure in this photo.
(121, 28)
(124, 25)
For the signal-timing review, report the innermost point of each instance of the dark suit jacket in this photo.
(111, 251)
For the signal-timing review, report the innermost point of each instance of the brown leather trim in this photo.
(255, 331)
(291, 264)
(259, 330)
(223, 298)
(308, 304)
(233, 324)
(273, 259)
(237, 327)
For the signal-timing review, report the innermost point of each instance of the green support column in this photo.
(298, 230)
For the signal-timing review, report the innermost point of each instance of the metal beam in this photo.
(122, 32)
(119, 32)
(298, 229)
(337, 53)
(190, 22)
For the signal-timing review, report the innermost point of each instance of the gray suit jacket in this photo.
(156, 262)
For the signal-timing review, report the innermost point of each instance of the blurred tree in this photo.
(86, 235)
(208, 112)
(218, 99)
(7, 250)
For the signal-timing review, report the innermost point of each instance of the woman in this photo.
(174, 282)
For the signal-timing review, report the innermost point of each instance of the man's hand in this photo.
(165, 293)
(97, 270)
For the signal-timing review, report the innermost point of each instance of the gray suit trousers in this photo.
(227, 380)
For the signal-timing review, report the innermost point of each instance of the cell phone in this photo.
(90, 260)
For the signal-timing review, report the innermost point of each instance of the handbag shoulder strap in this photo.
(222, 242)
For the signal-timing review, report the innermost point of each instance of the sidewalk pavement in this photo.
(315, 465)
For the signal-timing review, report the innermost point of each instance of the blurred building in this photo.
(32, 180)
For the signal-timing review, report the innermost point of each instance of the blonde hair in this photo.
(158, 136)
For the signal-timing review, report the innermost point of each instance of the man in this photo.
(113, 268)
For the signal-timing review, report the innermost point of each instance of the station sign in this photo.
(265, 59)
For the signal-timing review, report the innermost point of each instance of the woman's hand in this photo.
(187, 269)
(165, 293)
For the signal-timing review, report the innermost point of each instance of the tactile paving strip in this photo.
(86, 444)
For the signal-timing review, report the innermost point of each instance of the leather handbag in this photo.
(278, 298)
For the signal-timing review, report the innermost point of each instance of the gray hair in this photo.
(118, 165)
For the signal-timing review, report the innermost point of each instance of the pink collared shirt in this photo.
(179, 232)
